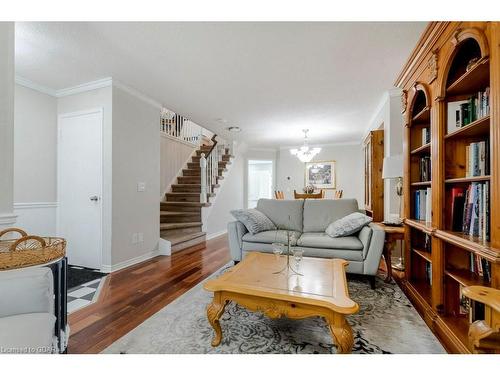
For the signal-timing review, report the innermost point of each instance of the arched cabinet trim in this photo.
(460, 37)
(418, 102)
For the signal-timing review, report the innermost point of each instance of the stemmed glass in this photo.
(277, 249)
(297, 256)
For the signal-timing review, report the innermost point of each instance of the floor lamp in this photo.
(393, 169)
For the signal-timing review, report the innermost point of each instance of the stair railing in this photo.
(179, 127)
(209, 168)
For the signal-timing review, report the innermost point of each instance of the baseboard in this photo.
(216, 234)
(106, 268)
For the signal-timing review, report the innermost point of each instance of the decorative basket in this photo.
(27, 251)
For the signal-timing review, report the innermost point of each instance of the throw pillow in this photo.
(254, 220)
(348, 225)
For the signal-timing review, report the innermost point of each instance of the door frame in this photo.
(100, 111)
(245, 177)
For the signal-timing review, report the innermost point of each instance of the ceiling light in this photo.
(234, 129)
(305, 153)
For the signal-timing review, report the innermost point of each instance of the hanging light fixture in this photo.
(305, 153)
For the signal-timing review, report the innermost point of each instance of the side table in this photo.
(392, 235)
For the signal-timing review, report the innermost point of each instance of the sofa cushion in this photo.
(324, 241)
(348, 225)
(254, 220)
(315, 252)
(285, 214)
(23, 332)
(271, 236)
(319, 213)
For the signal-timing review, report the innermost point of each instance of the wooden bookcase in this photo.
(373, 150)
(438, 74)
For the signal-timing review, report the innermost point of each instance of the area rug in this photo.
(386, 323)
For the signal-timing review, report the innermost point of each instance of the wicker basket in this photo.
(27, 250)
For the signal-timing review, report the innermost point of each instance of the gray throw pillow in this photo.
(254, 220)
(348, 225)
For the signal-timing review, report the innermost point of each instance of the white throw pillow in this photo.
(254, 220)
(348, 225)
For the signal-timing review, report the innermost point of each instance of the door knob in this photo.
(94, 198)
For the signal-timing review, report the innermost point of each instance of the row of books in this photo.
(423, 204)
(426, 136)
(477, 159)
(470, 210)
(463, 112)
(428, 273)
(473, 309)
(425, 168)
(480, 267)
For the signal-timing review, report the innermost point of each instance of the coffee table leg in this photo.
(341, 333)
(214, 312)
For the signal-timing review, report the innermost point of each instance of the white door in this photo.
(80, 186)
(260, 181)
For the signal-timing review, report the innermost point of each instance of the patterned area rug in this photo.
(386, 323)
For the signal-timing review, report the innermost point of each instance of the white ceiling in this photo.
(270, 79)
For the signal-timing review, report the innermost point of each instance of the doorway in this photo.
(79, 186)
(259, 181)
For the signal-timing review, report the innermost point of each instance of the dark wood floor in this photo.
(132, 295)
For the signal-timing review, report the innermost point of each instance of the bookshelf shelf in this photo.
(474, 79)
(422, 117)
(470, 243)
(467, 179)
(421, 225)
(421, 183)
(423, 254)
(478, 128)
(425, 149)
(465, 277)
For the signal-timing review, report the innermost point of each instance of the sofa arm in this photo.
(26, 291)
(373, 238)
(235, 232)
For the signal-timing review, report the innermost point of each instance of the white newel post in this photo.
(203, 175)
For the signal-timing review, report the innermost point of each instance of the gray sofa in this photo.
(309, 219)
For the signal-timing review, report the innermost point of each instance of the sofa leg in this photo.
(371, 279)
(236, 262)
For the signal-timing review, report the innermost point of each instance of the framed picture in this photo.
(321, 174)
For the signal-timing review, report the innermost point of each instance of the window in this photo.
(260, 181)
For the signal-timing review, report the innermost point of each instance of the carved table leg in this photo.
(342, 334)
(387, 257)
(214, 312)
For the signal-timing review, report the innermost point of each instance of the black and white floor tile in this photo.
(84, 295)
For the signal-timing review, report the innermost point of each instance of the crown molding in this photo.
(139, 95)
(21, 81)
(93, 85)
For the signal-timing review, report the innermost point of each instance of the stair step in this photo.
(193, 165)
(189, 179)
(166, 226)
(179, 216)
(191, 172)
(186, 197)
(184, 204)
(182, 237)
(196, 188)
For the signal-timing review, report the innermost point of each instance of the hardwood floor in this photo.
(132, 295)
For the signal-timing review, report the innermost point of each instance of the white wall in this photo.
(349, 171)
(98, 98)
(35, 160)
(136, 158)
(389, 115)
(229, 196)
(7, 217)
(173, 156)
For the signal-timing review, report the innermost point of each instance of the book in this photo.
(454, 116)
(428, 206)
(464, 305)
(457, 211)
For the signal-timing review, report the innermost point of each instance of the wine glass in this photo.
(277, 249)
(297, 256)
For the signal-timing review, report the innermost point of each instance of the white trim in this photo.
(99, 110)
(93, 85)
(6, 219)
(24, 205)
(178, 140)
(21, 81)
(216, 234)
(130, 262)
(139, 95)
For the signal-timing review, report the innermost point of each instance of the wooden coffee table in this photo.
(322, 291)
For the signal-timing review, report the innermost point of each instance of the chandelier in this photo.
(305, 153)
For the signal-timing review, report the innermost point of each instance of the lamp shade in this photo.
(392, 167)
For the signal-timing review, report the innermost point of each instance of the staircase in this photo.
(180, 212)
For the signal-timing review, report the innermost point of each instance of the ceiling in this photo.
(270, 79)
